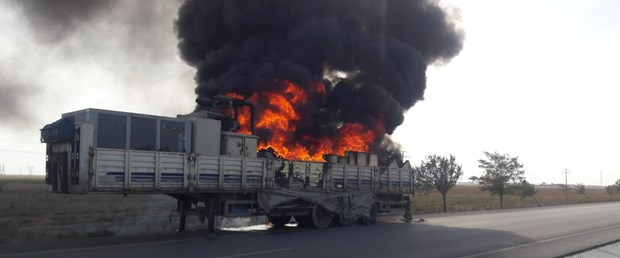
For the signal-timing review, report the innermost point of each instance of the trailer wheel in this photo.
(279, 221)
(373, 216)
(321, 218)
(345, 221)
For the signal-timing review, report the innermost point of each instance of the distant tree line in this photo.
(502, 175)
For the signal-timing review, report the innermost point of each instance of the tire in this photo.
(279, 221)
(345, 221)
(373, 216)
(321, 218)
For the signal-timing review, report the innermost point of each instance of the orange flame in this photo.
(279, 114)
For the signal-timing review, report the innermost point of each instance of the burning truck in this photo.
(295, 104)
(203, 161)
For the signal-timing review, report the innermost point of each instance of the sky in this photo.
(536, 79)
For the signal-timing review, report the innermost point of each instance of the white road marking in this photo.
(540, 242)
(255, 253)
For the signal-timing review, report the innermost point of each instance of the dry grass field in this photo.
(28, 212)
(468, 197)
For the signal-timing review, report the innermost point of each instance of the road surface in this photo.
(534, 232)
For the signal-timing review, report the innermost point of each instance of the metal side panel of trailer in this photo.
(150, 171)
(114, 170)
(140, 171)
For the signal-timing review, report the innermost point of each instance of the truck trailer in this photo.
(211, 170)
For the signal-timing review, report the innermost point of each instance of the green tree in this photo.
(525, 189)
(611, 190)
(420, 186)
(500, 170)
(581, 189)
(440, 173)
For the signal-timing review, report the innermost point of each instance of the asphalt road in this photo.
(537, 232)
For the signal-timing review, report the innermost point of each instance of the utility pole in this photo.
(566, 183)
(602, 181)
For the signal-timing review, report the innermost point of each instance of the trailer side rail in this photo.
(115, 170)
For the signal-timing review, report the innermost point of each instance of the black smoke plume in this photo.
(56, 19)
(134, 35)
(11, 107)
(371, 54)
